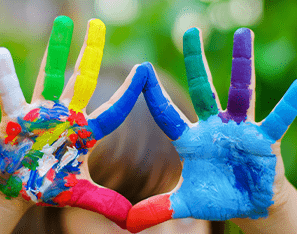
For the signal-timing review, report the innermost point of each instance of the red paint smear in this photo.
(90, 144)
(71, 180)
(79, 118)
(149, 212)
(39, 195)
(71, 117)
(73, 138)
(100, 200)
(25, 195)
(32, 115)
(43, 204)
(12, 130)
(84, 133)
(63, 198)
(51, 174)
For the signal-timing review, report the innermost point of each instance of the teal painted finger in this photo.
(58, 50)
(199, 88)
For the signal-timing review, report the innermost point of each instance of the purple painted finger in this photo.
(240, 93)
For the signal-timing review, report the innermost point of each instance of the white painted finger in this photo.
(11, 96)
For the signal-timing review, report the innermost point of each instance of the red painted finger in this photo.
(149, 212)
(100, 200)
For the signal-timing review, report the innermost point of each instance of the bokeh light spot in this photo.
(246, 12)
(274, 58)
(188, 19)
(117, 12)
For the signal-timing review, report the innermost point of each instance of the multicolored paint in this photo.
(228, 163)
(42, 153)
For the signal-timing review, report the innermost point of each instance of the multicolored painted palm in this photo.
(232, 166)
(45, 145)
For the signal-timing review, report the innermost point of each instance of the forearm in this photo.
(281, 219)
(11, 211)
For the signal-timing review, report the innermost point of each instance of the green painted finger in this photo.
(58, 50)
(199, 88)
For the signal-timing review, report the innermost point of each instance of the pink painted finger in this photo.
(149, 212)
(100, 200)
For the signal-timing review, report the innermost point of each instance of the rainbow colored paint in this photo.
(43, 151)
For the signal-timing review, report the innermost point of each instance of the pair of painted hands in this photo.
(229, 162)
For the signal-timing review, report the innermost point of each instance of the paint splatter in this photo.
(44, 165)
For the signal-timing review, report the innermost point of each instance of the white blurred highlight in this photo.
(220, 16)
(187, 19)
(117, 12)
(271, 62)
(246, 12)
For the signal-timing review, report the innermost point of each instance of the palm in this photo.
(232, 167)
(228, 171)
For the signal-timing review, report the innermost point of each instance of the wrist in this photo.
(11, 211)
(282, 215)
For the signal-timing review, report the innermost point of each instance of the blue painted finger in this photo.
(167, 118)
(199, 87)
(239, 92)
(277, 122)
(113, 117)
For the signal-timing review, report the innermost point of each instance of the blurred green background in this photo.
(139, 31)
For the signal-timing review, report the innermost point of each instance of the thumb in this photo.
(101, 200)
(149, 212)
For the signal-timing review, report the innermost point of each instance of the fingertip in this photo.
(242, 45)
(97, 23)
(6, 63)
(148, 213)
(291, 95)
(192, 32)
(4, 53)
(63, 20)
(141, 70)
(147, 64)
(192, 42)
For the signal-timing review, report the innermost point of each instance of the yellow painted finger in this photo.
(89, 66)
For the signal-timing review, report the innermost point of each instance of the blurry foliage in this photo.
(149, 38)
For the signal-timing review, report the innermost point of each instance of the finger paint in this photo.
(101, 200)
(167, 118)
(57, 55)
(241, 75)
(89, 66)
(278, 121)
(10, 91)
(113, 117)
(149, 212)
(199, 88)
(228, 171)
